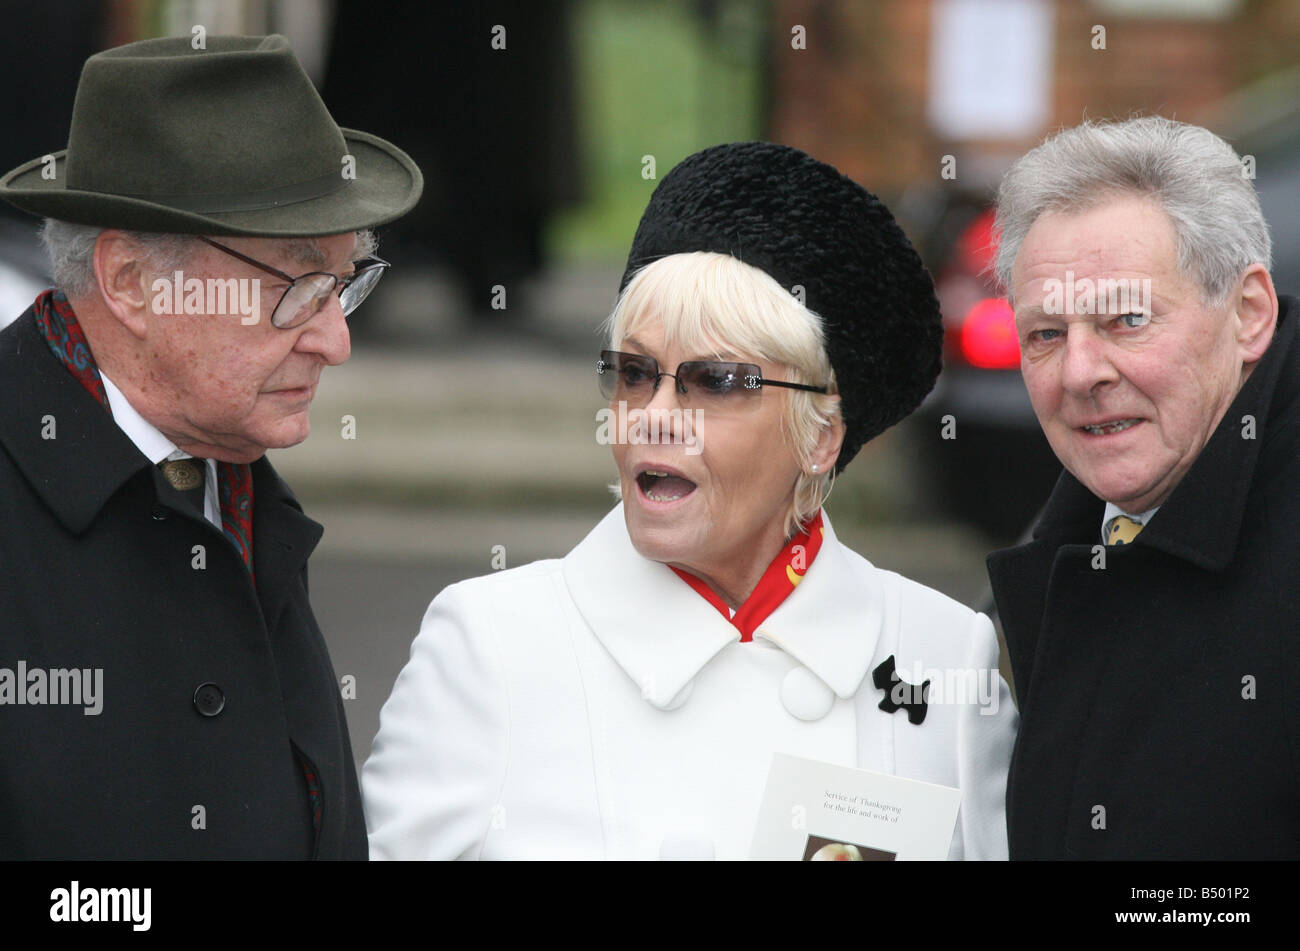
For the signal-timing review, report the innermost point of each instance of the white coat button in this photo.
(805, 696)
(683, 846)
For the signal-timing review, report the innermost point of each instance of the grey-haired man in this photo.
(1151, 621)
(165, 691)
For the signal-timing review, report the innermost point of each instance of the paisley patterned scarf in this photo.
(58, 323)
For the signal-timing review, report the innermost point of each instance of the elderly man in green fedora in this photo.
(165, 691)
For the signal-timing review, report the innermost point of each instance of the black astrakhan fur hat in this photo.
(803, 223)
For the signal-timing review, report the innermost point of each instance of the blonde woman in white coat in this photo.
(626, 701)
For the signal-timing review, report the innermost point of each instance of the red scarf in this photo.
(55, 319)
(781, 577)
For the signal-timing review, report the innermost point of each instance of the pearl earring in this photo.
(816, 468)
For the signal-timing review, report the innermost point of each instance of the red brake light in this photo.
(978, 245)
(988, 335)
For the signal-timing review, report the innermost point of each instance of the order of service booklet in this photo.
(816, 811)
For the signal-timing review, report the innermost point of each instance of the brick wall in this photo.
(856, 96)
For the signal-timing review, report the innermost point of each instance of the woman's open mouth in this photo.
(660, 485)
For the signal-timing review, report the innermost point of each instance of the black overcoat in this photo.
(103, 566)
(1159, 689)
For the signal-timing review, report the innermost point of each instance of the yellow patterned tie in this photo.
(1121, 530)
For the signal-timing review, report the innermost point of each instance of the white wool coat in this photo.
(595, 707)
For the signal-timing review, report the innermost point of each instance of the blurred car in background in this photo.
(981, 452)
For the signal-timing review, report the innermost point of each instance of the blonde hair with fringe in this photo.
(712, 304)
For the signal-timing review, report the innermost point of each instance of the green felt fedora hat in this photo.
(232, 139)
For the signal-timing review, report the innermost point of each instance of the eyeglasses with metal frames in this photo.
(307, 293)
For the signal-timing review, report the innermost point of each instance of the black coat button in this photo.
(158, 511)
(209, 700)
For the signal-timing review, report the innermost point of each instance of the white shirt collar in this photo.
(154, 445)
(1112, 510)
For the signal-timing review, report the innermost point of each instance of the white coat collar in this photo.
(661, 633)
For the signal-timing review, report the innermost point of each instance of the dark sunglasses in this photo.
(307, 294)
(633, 377)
